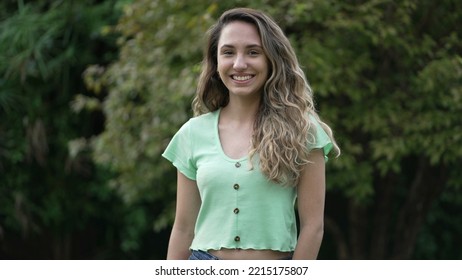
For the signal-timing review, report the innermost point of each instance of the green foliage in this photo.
(51, 193)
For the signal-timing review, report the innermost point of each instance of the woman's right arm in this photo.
(188, 203)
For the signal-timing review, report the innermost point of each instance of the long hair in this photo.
(283, 131)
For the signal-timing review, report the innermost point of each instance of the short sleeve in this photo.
(179, 152)
(322, 140)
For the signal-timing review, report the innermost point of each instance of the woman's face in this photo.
(242, 63)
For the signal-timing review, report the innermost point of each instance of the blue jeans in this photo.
(201, 255)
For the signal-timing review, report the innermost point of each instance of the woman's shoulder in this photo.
(198, 124)
(202, 121)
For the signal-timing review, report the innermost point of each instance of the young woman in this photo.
(254, 148)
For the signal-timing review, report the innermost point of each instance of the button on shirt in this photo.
(240, 207)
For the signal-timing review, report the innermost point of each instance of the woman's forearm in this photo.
(309, 243)
(178, 246)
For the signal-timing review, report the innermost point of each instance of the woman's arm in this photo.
(187, 207)
(311, 192)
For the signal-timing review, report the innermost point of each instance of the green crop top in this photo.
(240, 207)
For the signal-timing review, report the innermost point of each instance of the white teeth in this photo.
(242, 78)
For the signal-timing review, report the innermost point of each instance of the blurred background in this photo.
(91, 92)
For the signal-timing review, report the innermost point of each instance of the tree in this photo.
(387, 77)
(394, 104)
(54, 202)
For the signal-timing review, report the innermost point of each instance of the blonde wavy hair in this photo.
(283, 131)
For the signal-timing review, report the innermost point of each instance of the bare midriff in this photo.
(249, 254)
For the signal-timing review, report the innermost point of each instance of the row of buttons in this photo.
(236, 210)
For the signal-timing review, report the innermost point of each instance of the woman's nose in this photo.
(240, 62)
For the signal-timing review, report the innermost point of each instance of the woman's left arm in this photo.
(311, 192)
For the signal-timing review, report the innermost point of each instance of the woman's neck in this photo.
(241, 111)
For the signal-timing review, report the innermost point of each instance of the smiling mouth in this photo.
(242, 78)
